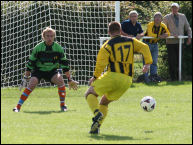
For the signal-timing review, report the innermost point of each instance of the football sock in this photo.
(23, 97)
(104, 110)
(62, 94)
(93, 103)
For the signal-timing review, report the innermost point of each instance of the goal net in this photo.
(78, 27)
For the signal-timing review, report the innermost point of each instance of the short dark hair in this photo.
(114, 27)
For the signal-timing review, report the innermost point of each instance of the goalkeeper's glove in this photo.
(24, 82)
(73, 84)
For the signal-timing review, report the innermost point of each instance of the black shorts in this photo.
(46, 75)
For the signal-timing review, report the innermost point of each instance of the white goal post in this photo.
(102, 39)
(78, 25)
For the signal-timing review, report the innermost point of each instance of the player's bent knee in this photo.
(104, 101)
(59, 83)
(33, 82)
(58, 80)
(90, 91)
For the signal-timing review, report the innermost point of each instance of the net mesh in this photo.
(78, 27)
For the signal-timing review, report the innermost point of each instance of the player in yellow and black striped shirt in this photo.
(118, 55)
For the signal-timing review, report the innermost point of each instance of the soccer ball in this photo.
(148, 103)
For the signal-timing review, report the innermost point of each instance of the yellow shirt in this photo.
(118, 54)
(153, 31)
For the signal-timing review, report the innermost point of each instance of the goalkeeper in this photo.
(116, 53)
(46, 58)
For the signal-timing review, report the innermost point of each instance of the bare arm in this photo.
(125, 34)
(166, 32)
(165, 35)
(140, 35)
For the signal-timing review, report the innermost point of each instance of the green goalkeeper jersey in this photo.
(47, 58)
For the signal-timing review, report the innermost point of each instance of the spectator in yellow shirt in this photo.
(158, 30)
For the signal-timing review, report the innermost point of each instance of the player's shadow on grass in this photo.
(46, 112)
(114, 137)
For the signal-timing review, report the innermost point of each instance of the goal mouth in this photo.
(78, 25)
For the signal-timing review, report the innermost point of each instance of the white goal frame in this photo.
(78, 25)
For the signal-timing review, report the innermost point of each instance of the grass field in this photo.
(40, 120)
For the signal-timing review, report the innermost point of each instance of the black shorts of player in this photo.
(46, 75)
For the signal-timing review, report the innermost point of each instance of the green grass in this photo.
(40, 120)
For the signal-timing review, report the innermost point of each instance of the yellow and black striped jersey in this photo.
(118, 54)
(153, 31)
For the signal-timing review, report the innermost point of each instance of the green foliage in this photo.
(146, 10)
(163, 61)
